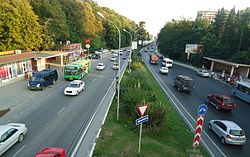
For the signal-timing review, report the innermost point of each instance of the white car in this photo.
(74, 87)
(115, 54)
(100, 66)
(164, 70)
(10, 134)
(115, 66)
(113, 58)
(203, 73)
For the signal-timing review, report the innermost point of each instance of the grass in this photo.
(117, 139)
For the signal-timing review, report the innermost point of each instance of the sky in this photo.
(157, 12)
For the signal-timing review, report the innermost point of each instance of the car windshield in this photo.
(36, 79)
(228, 101)
(73, 85)
(237, 132)
(100, 64)
(164, 68)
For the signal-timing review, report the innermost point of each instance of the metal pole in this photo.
(130, 46)
(139, 148)
(119, 66)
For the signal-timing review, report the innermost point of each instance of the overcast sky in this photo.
(157, 12)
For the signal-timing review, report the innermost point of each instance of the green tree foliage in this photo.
(223, 39)
(19, 27)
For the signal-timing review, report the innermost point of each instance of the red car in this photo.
(51, 152)
(221, 102)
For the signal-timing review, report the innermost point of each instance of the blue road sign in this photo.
(141, 120)
(202, 109)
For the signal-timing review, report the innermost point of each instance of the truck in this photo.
(153, 59)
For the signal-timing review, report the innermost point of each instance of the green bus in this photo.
(77, 69)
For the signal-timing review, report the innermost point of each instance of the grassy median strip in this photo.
(121, 139)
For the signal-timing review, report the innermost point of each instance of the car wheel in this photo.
(54, 81)
(209, 126)
(223, 141)
(77, 93)
(20, 138)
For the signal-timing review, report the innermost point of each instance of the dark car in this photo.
(44, 78)
(183, 83)
(95, 56)
(221, 102)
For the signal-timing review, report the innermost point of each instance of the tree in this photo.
(19, 27)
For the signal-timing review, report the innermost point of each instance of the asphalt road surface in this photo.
(56, 120)
(186, 104)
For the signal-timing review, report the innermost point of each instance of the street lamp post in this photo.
(130, 47)
(119, 67)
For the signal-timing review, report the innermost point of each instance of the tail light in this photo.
(228, 136)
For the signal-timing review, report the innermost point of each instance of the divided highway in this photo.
(186, 104)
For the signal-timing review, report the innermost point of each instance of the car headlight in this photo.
(28, 84)
(38, 85)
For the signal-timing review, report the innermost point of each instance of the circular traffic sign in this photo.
(202, 109)
(87, 46)
(87, 40)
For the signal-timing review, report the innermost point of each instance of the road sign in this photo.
(141, 120)
(202, 109)
(142, 109)
(87, 40)
(198, 131)
(87, 46)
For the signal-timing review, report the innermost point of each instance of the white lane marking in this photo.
(159, 79)
(74, 152)
(94, 80)
(60, 111)
(19, 151)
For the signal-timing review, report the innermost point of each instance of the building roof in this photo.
(16, 57)
(49, 54)
(226, 62)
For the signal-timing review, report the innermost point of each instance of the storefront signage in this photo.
(6, 53)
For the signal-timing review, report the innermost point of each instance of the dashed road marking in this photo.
(60, 111)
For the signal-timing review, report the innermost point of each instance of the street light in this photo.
(130, 47)
(118, 80)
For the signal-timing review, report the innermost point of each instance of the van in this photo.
(42, 79)
(183, 83)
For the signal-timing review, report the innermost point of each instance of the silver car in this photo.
(203, 73)
(10, 134)
(228, 131)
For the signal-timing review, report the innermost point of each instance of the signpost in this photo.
(202, 109)
(142, 119)
(87, 41)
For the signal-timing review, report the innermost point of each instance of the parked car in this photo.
(95, 56)
(115, 66)
(100, 66)
(183, 83)
(221, 102)
(10, 134)
(113, 58)
(74, 87)
(164, 70)
(228, 132)
(203, 73)
(42, 79)
(52, 152)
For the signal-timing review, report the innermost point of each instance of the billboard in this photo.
(193, 48)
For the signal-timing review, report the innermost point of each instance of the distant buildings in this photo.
(209, 15)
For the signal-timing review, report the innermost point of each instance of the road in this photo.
(55, 120)
(186, 104)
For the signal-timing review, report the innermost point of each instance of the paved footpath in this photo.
(16, 92)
